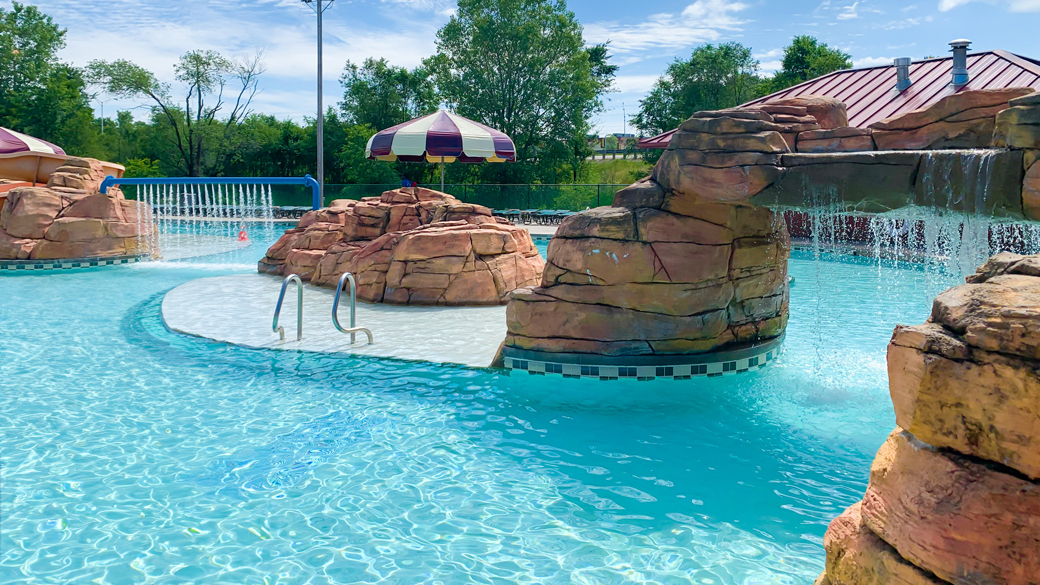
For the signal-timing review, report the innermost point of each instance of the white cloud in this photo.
(634, 83)
(849, 12)
(947, 5)
(872, 61)
(770, 54)
(901, 24)
(768, 67)
(154, 33)
(1012, 5)
(702, 21)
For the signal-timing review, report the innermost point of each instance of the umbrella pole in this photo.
(442, 174)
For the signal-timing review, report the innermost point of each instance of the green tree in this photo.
(807, 58)
(381, 95)
(196, 132)
(714, 77)
(40, 95)
(142, 167)
(521, 66)
(355, 167)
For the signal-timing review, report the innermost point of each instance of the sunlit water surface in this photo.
(132, 454)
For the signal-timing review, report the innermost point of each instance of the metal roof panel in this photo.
(869, 93)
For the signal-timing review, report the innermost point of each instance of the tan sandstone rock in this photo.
(979, 403)
(962, 120)
(1031, 192)
(829, 113)
(960, 520)
(856, 556)
(410, 246)
(1001, 314)
(29, 211)
(75, 229)
(844, 139)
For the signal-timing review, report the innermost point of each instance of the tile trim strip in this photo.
(708, 365)
(67, 263)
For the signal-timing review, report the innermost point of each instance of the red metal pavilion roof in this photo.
(870, 93)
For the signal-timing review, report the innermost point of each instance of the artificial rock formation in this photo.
(962, 120)
(70, 218)
(681, 263)
(954, 493)
(1018, 127)
(410, 246)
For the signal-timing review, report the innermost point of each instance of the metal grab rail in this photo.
(353, 329)
(299, 308)
(306, 181)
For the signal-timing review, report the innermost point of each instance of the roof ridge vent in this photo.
(959, 48)
(902, 73)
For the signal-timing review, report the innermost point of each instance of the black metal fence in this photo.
(569, 197)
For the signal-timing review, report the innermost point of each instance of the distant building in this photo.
(872, 94)
(623, 140)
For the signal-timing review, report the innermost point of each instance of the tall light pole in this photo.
(624, 132)
(320, 6)
(102, 102)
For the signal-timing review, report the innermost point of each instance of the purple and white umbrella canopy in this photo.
(12, 142)
(441, 137)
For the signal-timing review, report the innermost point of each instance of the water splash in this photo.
(190, 215)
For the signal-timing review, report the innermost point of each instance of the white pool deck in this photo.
(239, 309)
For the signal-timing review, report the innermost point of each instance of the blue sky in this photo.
(644, 36)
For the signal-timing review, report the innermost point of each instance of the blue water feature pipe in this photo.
(306, 181)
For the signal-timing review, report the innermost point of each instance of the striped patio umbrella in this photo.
(441, 137)
(12, 142)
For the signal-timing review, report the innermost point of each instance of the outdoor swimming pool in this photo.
(134, 454)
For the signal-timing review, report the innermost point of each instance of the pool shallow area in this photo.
(239, 309)
(132, 453)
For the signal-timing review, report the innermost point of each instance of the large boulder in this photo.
(681, 264)
(1019, 125)
(829, 113)
(856, 556)
(70, 219)
(952, 516)
(29, 211)
(410, 246)
(954, 494)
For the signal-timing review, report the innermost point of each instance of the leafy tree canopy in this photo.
(381, 95)
(521, 66)
(40, 95)
(807, 58)
(714, 77)
(195, 129)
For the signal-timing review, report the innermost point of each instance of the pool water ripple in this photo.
(132, 454)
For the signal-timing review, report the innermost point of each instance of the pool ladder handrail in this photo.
(299, 308)
(353, 329)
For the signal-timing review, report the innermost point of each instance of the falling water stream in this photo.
(947, 233)
(196, 219)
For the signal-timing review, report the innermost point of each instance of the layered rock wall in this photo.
(962, 120)
(70, 218)
(410, 246)
(954, 493)
(1018, 127)
(681, 263)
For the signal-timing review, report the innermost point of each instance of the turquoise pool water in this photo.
(132, 454)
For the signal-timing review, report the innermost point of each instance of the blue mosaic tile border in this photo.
(66, 263)
(712, 365)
